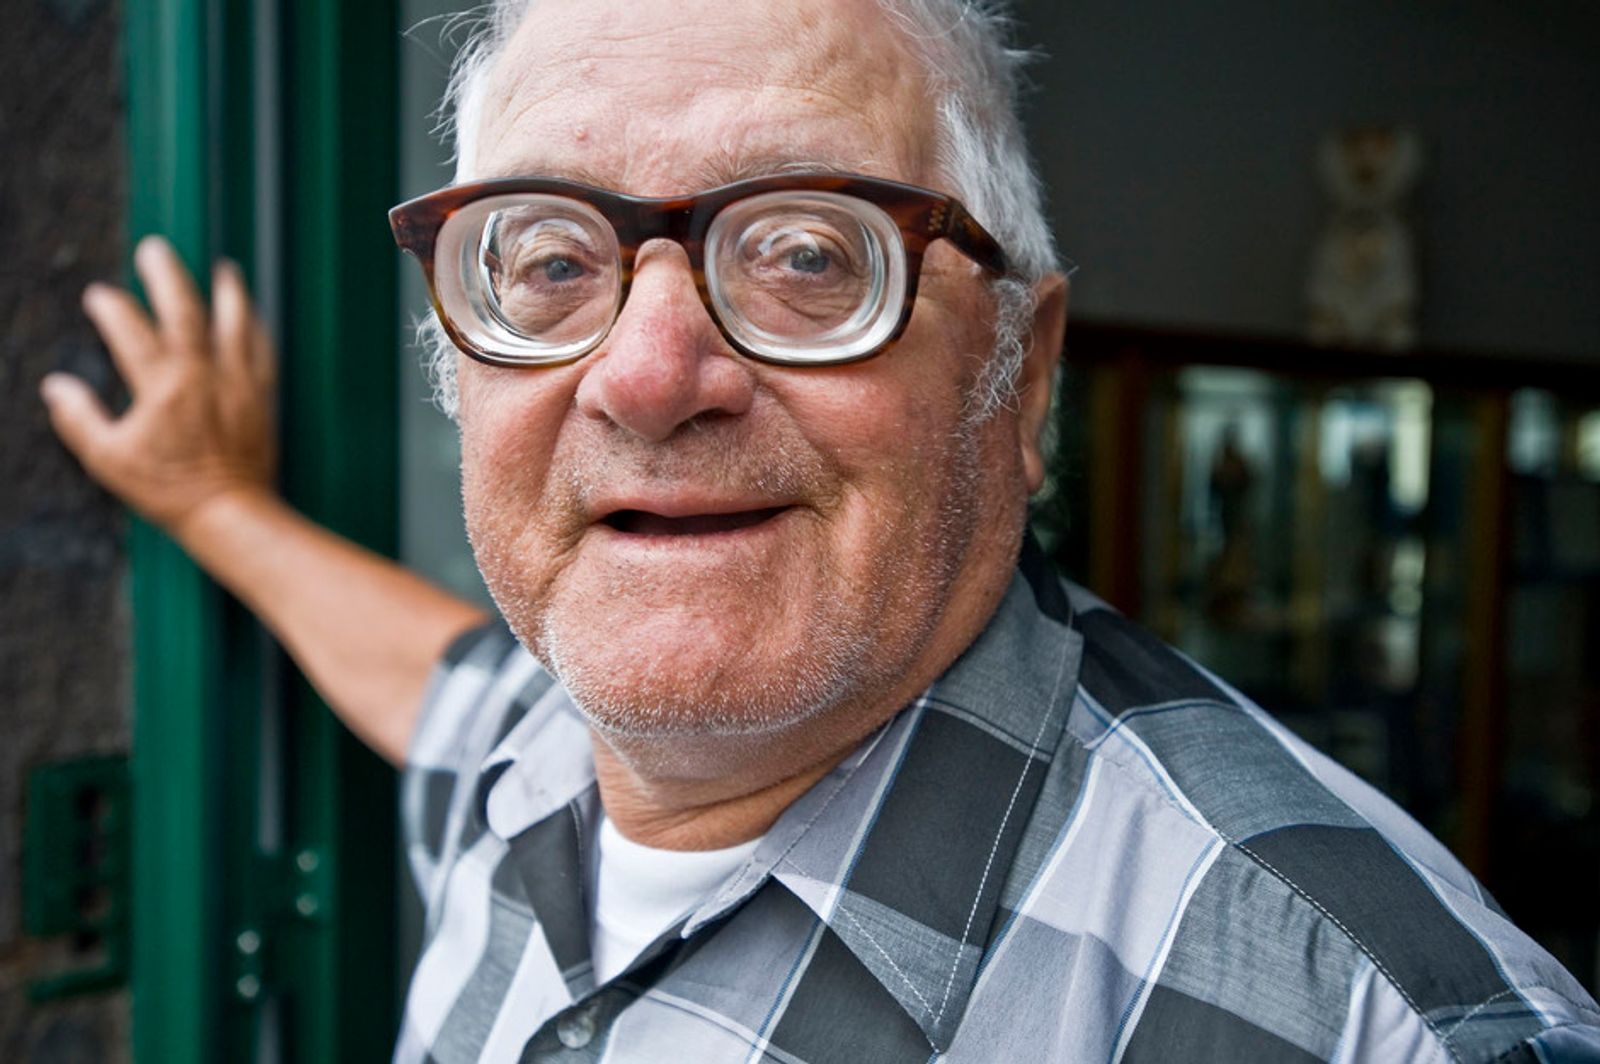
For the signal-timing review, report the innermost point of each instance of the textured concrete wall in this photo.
(63, 619)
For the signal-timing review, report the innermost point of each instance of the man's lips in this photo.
(647, 523)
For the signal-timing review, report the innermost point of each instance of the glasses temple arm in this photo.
(963, 230)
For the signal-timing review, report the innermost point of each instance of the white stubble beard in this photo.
(837, 663)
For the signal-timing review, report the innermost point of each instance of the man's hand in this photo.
(194, 453)
(200, 426)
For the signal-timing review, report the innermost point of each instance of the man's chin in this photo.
(652, 690)
(656, 708)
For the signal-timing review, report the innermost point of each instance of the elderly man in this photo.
(791, 746)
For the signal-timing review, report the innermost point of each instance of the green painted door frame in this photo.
(264, 863)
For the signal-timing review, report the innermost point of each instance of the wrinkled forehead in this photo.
(663, 97)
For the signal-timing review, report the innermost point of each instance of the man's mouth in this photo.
(645, 523)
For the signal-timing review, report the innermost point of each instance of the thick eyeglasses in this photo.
(794, 269)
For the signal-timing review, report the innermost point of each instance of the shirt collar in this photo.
(543, 763)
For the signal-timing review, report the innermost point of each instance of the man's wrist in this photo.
(214, 519)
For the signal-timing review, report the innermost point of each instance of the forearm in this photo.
(366, 632)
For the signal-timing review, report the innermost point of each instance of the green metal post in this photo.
(341, 466)
(177, 887)
(248, 896)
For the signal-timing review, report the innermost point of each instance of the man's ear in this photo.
(1036, 383)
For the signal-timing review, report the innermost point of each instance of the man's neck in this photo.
(658, 807)
(695, 815)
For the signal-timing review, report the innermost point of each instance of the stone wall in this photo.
(63, 614)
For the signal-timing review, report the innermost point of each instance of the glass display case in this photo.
(1397, 555)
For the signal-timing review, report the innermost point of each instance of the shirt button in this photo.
(575, 1028)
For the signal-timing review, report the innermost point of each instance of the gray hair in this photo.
(974, 76)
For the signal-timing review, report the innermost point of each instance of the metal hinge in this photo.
(75, 869)
(292, 894)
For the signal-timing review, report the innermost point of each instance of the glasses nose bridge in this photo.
(682, 221)
(676, 220)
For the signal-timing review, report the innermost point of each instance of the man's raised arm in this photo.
(195, 454)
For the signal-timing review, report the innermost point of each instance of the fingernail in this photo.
(152, 245)
(50, 388)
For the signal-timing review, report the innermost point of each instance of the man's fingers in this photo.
(240, 335)
(76, 413)
(173, 296)
(230, 321)
(263, 357)
(127, 331)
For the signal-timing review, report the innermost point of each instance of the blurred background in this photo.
(1330, 422)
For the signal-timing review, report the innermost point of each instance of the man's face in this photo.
(693, 541)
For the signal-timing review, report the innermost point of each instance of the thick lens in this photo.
(804, 275)
(528, 278)
(549, 271)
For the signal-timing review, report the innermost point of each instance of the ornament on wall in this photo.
(1363, 285)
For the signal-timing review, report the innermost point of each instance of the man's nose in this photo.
(664, 364)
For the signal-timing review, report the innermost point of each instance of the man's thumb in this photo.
(76, 413)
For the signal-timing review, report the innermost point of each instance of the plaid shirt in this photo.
(1076, 846)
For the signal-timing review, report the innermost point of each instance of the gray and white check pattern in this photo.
(1075, 846)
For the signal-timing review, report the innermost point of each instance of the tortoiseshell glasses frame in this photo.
(452, 234)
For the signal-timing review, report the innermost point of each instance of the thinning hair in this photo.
(974, 77)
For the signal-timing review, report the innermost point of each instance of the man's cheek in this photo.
(502, 457)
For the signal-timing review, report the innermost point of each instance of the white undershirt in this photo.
(641, 891)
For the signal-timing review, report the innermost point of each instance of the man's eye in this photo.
(562, 269)
(809, 260)
(793, 252)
